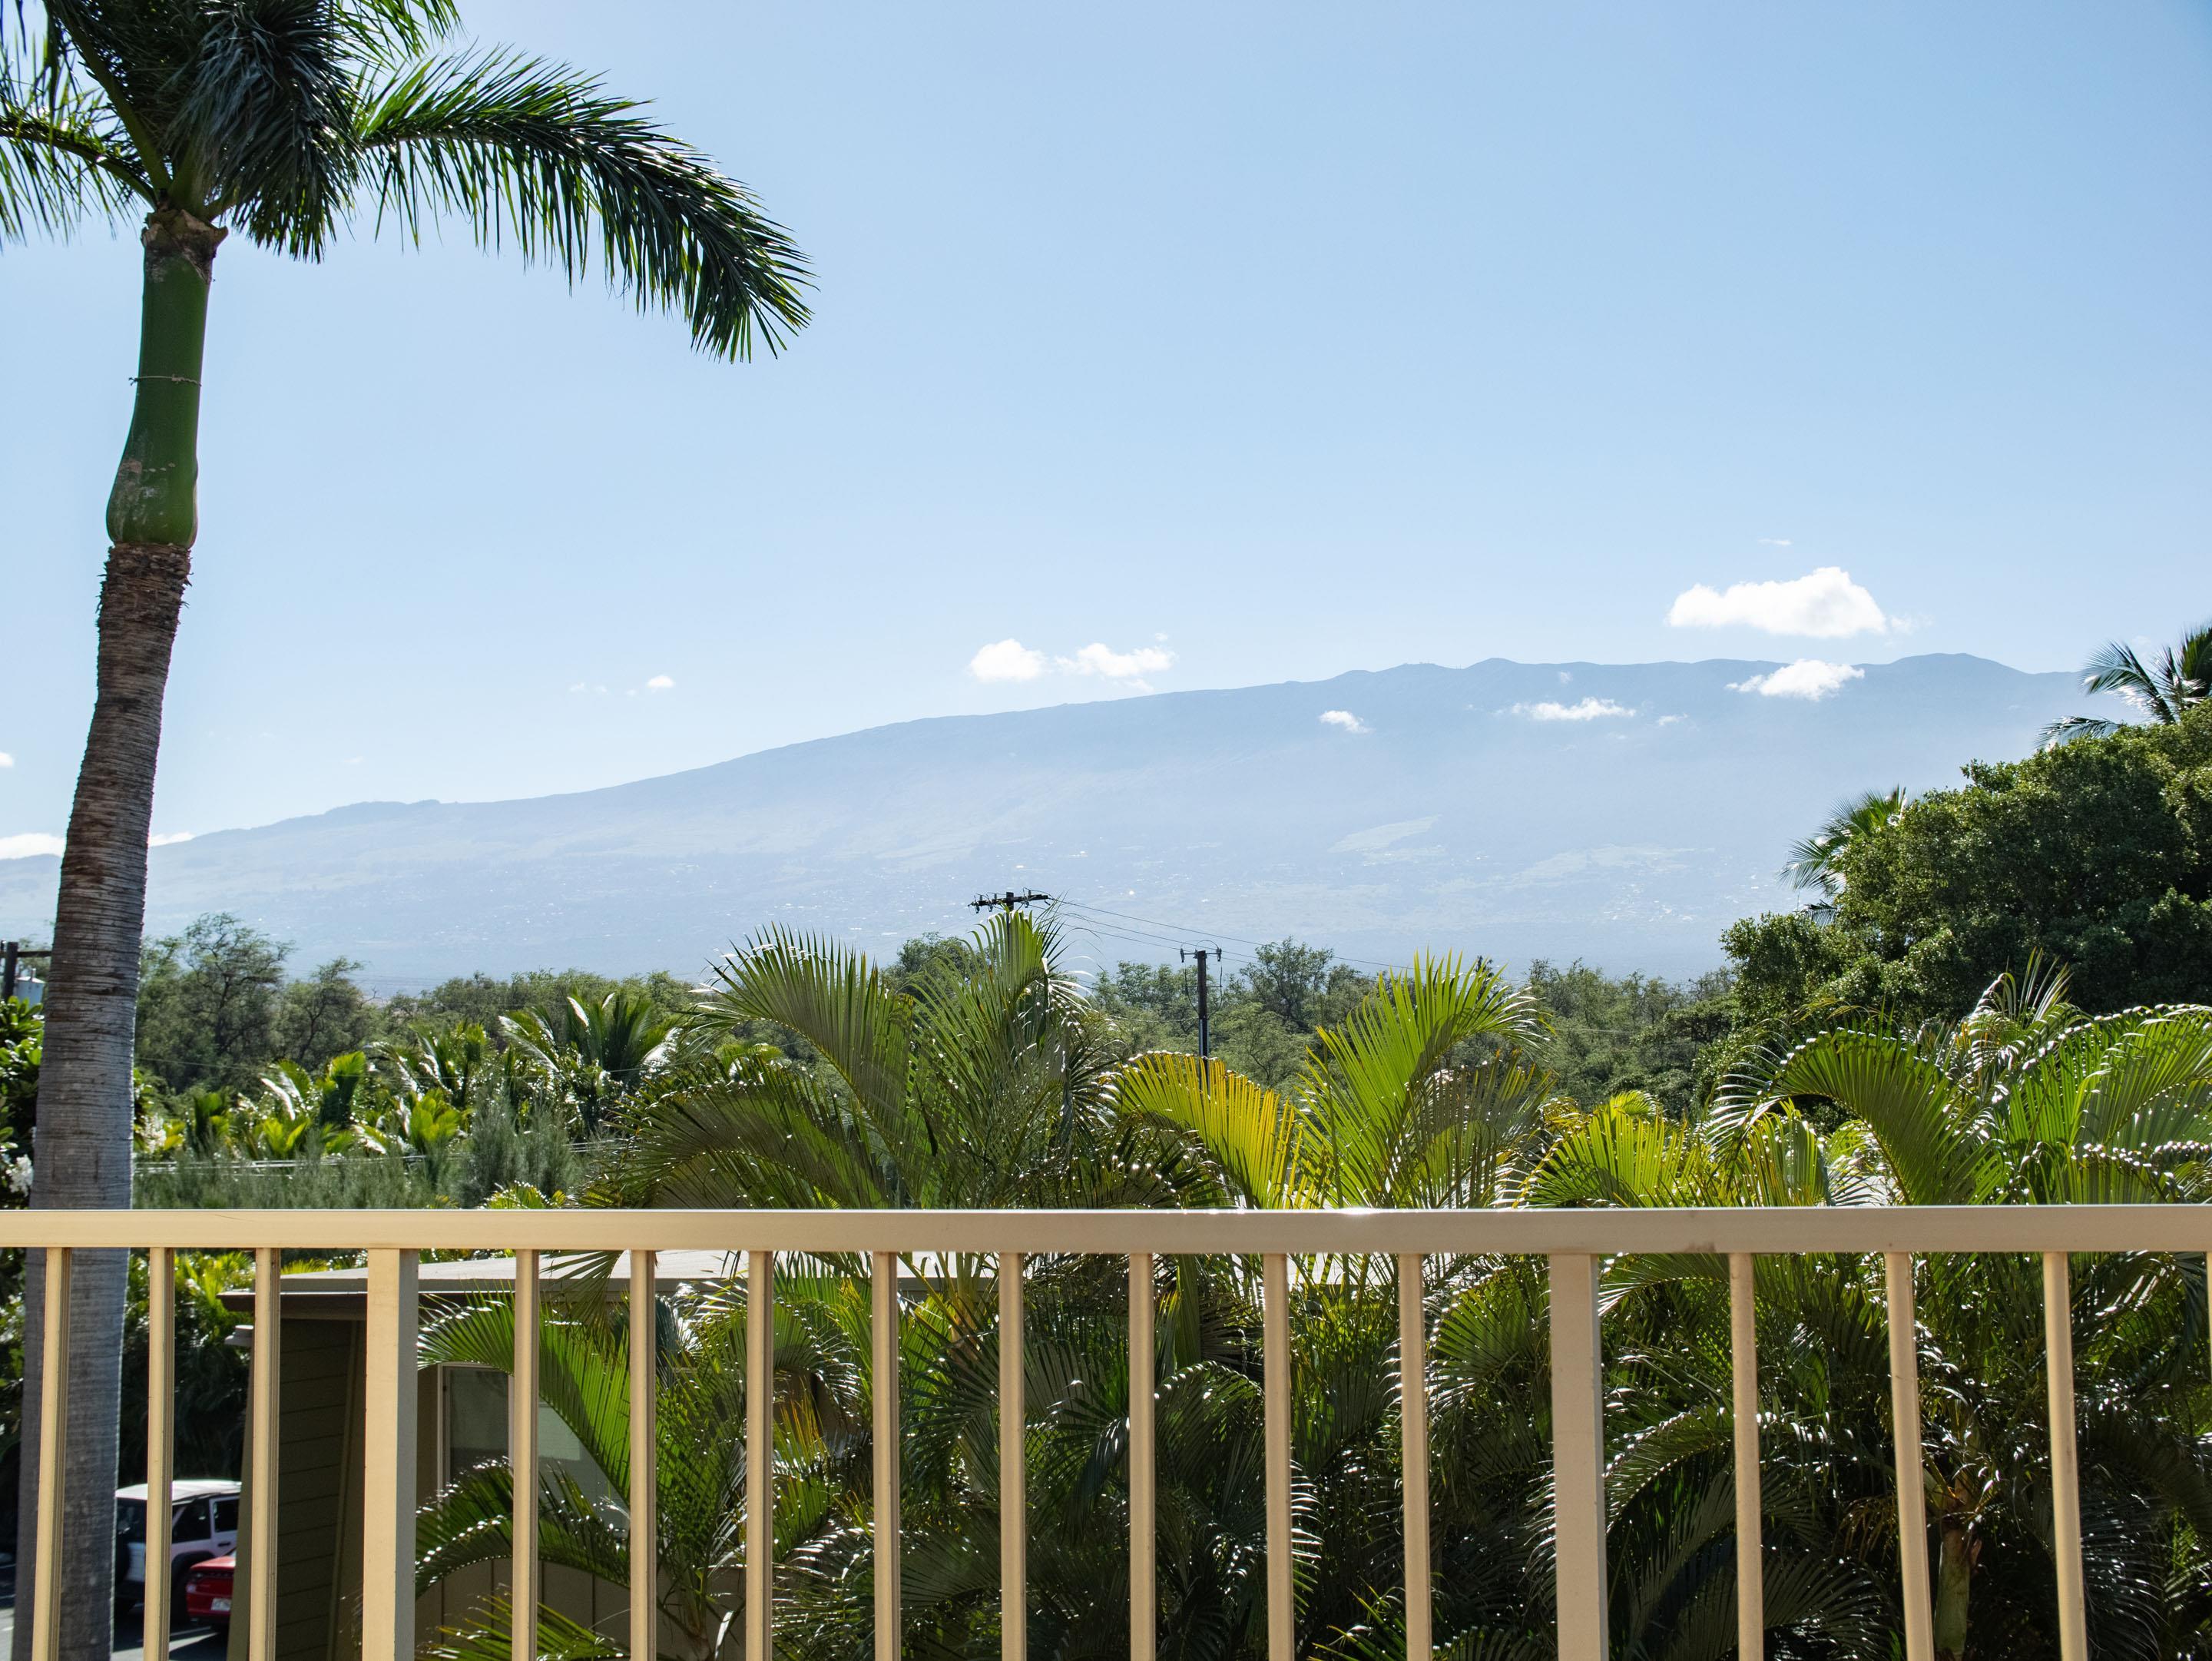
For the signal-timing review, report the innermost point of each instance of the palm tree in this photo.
(2177, 679)
(279, 118)
(2028, 1100)
(1817, 862)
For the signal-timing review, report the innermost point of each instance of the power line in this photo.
(1007, 901)
(1156, 922)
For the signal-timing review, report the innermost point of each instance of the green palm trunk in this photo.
(280, 121)
(82, 1155)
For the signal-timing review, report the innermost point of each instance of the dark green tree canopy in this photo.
(2097, 853)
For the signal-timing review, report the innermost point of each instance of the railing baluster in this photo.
(1013, 1452)
(522, 1460)
(160, 1442)
(760, 1455)
(1578, 1458)
(1743, 1378)
(387, 1539)
(2065, 1474)
(644, 1460)
(1143, 1463)
(885, 1383)
(1275, 1363)
(1912, 1471)
(53, 1420)
(261, 1544)
(1413, 1454)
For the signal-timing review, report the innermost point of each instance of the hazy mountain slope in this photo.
(1459, 819)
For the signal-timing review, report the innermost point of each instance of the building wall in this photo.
(321, 1388)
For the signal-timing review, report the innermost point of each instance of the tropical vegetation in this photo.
(284, 122)
(1819, 1069)
(2177, 679)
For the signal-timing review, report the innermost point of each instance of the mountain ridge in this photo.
(1623, 813)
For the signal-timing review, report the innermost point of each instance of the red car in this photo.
(207, 1592)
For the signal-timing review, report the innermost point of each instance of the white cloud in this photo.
(1587, 709)
(1824, 605)
(1808, 679)
(1006, 660)
(29, 845)
(659, 683)
(1098, 658)
(1668, 721)
(6, 760)
(163, 839)
(1346, 718)
(1009, 659)
(1774, 542)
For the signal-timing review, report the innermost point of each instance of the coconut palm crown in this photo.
(282, 120)
(2160, 690)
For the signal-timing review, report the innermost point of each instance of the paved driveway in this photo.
(187, 1643)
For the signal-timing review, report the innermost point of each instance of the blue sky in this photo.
(1239, 343)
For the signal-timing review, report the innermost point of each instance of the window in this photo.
(225, 1513)
(189, 1522)
(475, 1431)
(476, 1419)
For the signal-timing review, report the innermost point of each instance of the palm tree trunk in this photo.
(1955, 1578)
(81, 1154)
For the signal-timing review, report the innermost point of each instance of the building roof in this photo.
(185, 1487)
(341, 1294)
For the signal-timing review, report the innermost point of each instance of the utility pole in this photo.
(1205, 1020)
(1007, 901)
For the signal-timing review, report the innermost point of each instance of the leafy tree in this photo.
(208, 1001)
(282, 120)
(1607, 1034)
(325, 1015)
(2176, 681)
(1302, 986)
(2097, 853)
(1264, 1016)
(484, 999)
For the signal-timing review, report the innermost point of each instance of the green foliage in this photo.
(207, 1004)
(1607, 1034)
(285, 122)
(1264, 1015)
(2160, 691)
(2097, 853)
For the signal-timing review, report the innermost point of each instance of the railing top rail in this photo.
(1780, 1230)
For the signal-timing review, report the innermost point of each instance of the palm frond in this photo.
(1817, 861)
(1251, 1134)
(264, 118)
(533, 152)
(62, 158)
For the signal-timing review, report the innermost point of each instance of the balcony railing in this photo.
(1575, 1243)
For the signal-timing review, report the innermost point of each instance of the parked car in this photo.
(202, 1524)
(207, 1592)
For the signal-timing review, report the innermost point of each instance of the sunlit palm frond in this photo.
(1253, 1136)
(533, 153)
(2161, 692)
(486, 1635)
(1380, 1090)
(1817, 861)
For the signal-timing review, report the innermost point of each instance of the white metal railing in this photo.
(1575, 1243)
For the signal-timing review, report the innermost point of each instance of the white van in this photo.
(202, 1524)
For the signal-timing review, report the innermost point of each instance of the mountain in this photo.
(1621, 813)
